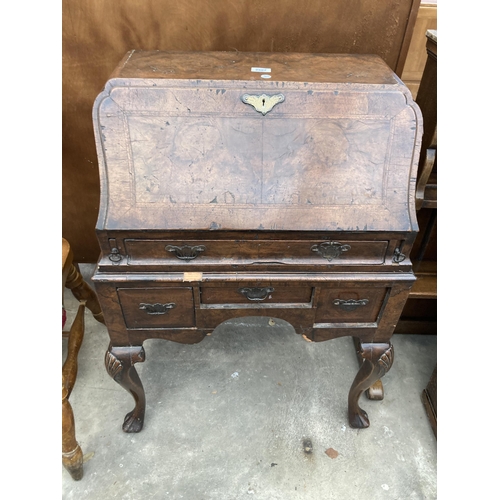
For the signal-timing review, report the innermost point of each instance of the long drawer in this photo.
(244, 252)
(257, 295)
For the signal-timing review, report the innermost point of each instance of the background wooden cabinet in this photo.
(417, 54)
(420, 312)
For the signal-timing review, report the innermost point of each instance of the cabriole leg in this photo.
(376, 390)
(377, 361)
(119, 363)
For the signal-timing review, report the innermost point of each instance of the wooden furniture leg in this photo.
(119, 362)
(72, 457)
(376, 390)
(72, 279)
(82, 291)
(429, 398)
(377, 361)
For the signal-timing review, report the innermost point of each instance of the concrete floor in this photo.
(229, 418)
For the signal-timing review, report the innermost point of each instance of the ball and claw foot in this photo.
(359, 420)
(131, 423)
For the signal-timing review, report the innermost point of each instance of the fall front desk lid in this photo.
(225, 141)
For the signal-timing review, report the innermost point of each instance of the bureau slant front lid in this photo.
(265, 141)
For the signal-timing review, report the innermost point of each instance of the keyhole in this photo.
(263, 102)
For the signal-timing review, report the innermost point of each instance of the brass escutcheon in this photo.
(263, 103)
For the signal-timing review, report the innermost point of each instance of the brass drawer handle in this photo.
(398, 256)
(263, 103)
(186, 252)
(156, 309)
(256, 293)
(350, 305)
(115, 257)
(330, 249)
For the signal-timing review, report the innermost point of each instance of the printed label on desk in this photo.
(192, 277)
(261, 70)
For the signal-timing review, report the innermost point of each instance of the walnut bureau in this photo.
(254, 184)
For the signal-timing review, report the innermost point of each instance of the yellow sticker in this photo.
(193, 277)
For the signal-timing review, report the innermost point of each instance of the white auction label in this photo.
(261, 70)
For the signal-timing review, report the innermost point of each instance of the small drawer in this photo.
(350, 305)
(255, 252)
(256, 294)
(157, 307)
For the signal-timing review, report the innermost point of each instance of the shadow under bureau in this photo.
(254, 184)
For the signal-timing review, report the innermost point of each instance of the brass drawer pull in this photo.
(398, 256)
(350, 305)
(330, 249)
(115, 257)
(263, 103)
(156, 309)
(256, 293)
(185, 252)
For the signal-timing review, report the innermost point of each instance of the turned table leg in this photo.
(119, 363)
(377, 361)
(72, 457)
(82, 291)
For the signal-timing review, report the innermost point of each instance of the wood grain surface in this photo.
(188, 152)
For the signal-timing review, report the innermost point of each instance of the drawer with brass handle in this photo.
(350, 305)
(256, 295)
(254, 252)
(169, 307)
